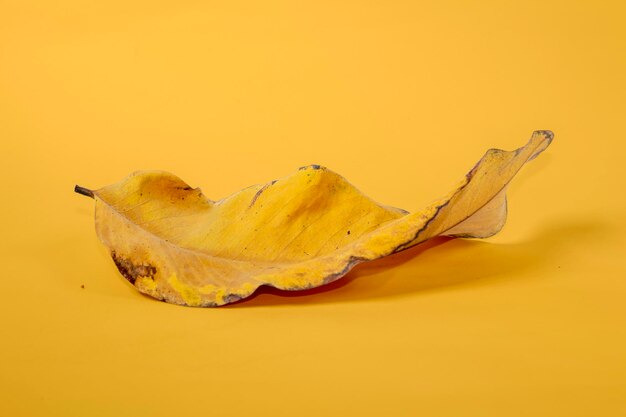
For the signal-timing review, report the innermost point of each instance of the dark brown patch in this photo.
(258, 194)
(82, 286)
(132, 271)
(405, 245)
(352, 261)
(231, 298)
(313, 166)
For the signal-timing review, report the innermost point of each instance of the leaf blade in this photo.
(302, 231)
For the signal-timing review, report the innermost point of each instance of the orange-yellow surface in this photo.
(401, 98)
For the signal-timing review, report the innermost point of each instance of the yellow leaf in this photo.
(299, 232)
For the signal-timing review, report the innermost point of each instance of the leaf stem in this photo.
(84, 191)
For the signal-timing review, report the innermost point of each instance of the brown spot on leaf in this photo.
(130, 270)
(258, 194)
(231, 298)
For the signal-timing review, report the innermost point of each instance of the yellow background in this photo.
(401, 98)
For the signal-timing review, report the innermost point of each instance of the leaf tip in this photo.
(548, 134)
(544, 139)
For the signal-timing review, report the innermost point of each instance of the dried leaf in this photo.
(299, 232)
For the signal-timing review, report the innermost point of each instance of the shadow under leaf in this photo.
(437, 264)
